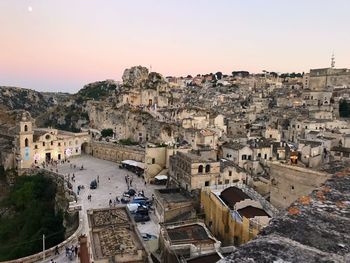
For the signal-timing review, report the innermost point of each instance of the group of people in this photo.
(71, 251)
(89, 197)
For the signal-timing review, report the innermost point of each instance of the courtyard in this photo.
(111, 184)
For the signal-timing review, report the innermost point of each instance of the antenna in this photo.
(332, 61)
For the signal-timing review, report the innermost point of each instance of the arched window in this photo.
(26, 142)
(200, 169)
(26, 128)
(207, 168)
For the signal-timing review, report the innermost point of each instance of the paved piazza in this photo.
(111, 184)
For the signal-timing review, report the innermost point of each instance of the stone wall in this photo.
(115, 152)
(288, 183)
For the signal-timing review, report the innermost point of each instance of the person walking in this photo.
(76, 250)
(56, 251)
(110, 202)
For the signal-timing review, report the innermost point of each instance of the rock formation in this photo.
(135, 77)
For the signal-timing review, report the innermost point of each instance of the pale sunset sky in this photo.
(61, 45)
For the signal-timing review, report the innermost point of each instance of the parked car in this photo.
(141, 218)
(125, 199)
(93, 184)
(147, 237)
(132, 207)
(146, 203)
(142, 210)
(131, 192)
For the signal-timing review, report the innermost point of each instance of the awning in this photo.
(134, 163)
(161, 177)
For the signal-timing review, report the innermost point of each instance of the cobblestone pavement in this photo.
(111, 184)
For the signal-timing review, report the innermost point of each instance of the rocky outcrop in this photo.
(316, 228)
(135, 77)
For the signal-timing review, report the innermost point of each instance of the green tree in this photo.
(344, 110)
(218, 75)
(107, 132)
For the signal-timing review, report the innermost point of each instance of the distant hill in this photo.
(14, 98)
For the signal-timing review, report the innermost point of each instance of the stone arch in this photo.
(84, 147)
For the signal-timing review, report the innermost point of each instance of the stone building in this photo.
(114, 236)
(232, 215)
(37, 145)
(172, 205)
(186, 240)
(194, 170)
(320, 79)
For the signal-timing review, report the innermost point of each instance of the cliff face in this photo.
(13, 98)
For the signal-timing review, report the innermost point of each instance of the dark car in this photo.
(131, 192)
(141, 218)
(93, 184)
(142, 210)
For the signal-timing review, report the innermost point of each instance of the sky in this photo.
(61, 45)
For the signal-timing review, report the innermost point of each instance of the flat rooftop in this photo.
(113, 234)
(194, 233)
(172, 195)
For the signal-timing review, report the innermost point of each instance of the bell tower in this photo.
(25, 141)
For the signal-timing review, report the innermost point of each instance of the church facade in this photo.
(37, 145)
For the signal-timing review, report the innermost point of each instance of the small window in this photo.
(207, 183)
(153, 160)
(59, 144)
(229, 173)
(244, 157)
(200, 169)
(265, 156)
(26, 128)
(36, 146)
(259, 155)
(44, 144)
(207, 168)
(270, 135)
(26, 142)
(51, 143)
(227, 181)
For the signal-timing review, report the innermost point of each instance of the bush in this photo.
(344, 110)
(127, 142)
(107, 132)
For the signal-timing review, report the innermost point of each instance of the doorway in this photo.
(59, 156)
(48, 156)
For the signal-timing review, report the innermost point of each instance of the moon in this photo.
(30, 9)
